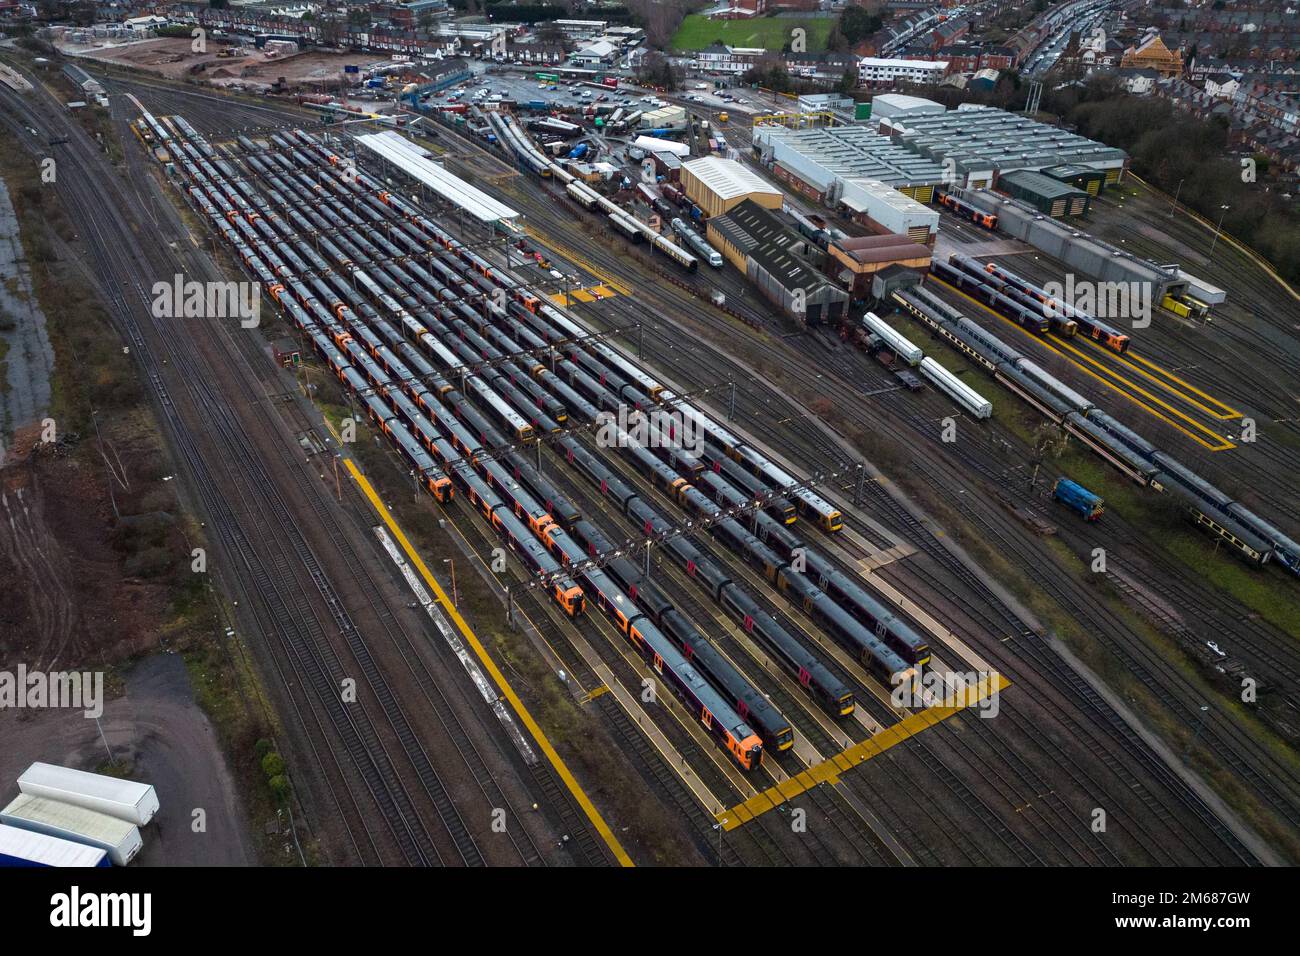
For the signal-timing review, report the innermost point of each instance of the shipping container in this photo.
(125, 799)
(121, 840)
(26, 848)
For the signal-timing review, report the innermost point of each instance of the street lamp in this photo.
(451, 562)
(1217, 229)
(1200, 720)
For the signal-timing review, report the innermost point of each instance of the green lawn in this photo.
(772, 33)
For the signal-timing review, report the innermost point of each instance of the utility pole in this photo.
(455, 598)
(1217, 229)
(1178, 192)
(1200, 720)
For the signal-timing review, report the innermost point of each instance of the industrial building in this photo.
(889, 105)
(1090, 180)
(83, 80)
(883, 209)
(773, 257)
(1049, 196)
(1083, 253)
(401, 154)
(716, 185)
(666, 117)
(816, 162)
(977, 143)
(856, 260)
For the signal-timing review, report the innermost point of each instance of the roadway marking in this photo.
(829, 771)
(1223, 443)
(490, 666)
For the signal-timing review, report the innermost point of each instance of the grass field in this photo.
(772, 33)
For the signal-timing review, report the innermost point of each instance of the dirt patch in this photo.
(156, 735)
(173, 58)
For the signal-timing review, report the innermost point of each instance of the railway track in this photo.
(305, 651)
(774, 440)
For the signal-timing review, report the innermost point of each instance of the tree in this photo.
(656, 71)
(857, 23)
(272, 764)
(770, 73)
(835, 40)
(848, 83)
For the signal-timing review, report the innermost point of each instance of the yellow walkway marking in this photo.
(829, 770)
(1223, 444)
(578, 259)
(1110, 372)
(1130, 356)
(490, 666)
(589, 294)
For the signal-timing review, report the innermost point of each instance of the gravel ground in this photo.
(157, 726)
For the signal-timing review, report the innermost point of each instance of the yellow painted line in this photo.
(576, 258)
(1223, 446)
(1130, 355)
(830, 770)
(490, 666)
(1177, 412)
(591, 294)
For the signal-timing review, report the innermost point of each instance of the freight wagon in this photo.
(26, 848)
(125, 799)
(119, 839)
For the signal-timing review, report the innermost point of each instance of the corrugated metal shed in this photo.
(1086, 178)
(716, 185)
(825, 157)
(1049, 196)
(413, 161)
(889, 210)
(977, 142)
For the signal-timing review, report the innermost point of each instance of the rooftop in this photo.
(414, 161)
(849, 152)
(726, 178)
(978, 138)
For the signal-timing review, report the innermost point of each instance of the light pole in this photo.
(1174, 204)
(1217, 229)
(455, 599)
(1200, 720)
